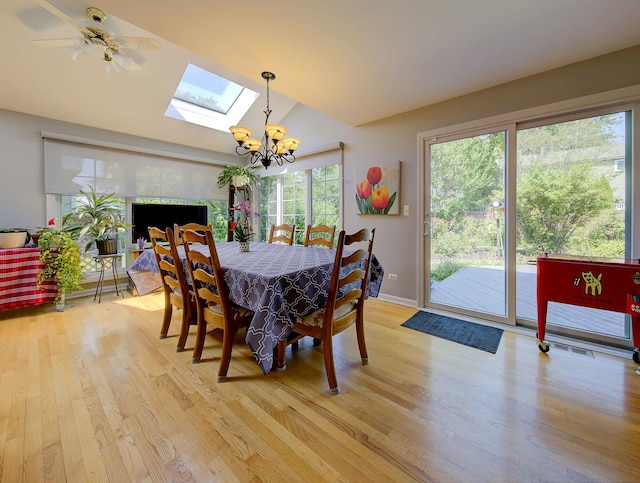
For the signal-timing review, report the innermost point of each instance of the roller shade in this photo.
(70, 167)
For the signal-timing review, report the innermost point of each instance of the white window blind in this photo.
(70, 167)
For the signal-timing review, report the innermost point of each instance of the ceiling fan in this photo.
(114, 47)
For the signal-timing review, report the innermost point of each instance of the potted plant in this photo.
(98, 217)
(237, 176)
(241, 229)
(60, 255)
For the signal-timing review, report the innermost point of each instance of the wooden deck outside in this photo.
(483, 289)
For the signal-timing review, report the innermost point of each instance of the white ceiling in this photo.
(354, 60)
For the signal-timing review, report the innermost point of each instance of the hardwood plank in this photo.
(94, 395)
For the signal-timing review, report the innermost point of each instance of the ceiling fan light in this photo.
(124, 60)
(275, 131)
(83, 44)
(80, 46)
(111, 67)
(109, 53)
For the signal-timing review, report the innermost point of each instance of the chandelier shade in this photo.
(273, 147)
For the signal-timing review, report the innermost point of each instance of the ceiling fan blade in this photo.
(139, 43)
(61, 15)
(54, 42)
(126, 62)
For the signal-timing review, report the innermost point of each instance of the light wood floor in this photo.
(92, 394)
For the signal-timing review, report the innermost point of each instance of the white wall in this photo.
(21, 177)
(395, 138)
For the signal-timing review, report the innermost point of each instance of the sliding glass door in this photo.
(465, 224)
(572, 199)
(497, 199)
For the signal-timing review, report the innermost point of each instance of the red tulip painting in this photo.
(376, 193)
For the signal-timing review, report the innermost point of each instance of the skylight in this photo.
(209, 100)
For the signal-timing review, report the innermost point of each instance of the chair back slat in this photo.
(213, 305)
(350, 272)
(320, 235)
(171, 271)
(282, 234)
(179, 229)
(174, 282)
(205, 271)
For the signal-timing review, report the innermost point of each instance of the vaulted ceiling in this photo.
(354, 60)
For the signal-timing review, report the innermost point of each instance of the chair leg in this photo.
(364, 357)
(184, 330)
(201, 334)
(227, 345)
(166, 319)
(329, 366)
(280, 359)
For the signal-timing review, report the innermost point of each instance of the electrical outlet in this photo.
(393, 276)
(406, 210)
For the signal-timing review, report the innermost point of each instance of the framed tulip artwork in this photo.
(377, 191)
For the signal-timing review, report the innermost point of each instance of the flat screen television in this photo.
(144, 215)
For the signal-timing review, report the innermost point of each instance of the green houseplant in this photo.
(60, 255)
(235, 175)
(98, 217)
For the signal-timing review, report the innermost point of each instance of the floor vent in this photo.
(575, 350)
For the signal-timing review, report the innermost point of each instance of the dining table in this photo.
(277, 282)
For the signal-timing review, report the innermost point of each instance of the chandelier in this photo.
(273, 147)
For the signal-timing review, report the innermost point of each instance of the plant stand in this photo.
(102, 260)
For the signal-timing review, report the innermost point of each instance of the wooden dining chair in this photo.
(213, 305)
(174, 283)
(178, 229)
(282, 234)
(345, 303)
(320, 235)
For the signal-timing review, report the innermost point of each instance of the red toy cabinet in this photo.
(602, 283)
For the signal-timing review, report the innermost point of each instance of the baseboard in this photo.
(398, 300)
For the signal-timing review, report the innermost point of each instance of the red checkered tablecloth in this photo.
(19, 268)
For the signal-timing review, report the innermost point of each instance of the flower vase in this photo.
(244, 246)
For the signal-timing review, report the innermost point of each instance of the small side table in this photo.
(102, 259)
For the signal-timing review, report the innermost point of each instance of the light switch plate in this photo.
(406, 210)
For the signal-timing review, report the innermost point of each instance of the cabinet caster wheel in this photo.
(543, 345)
(636, 356)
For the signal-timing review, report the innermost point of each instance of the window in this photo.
(75, 164)
(325, 196)
(308, 197)
(294, 194)
(307, 192)
(209, 100)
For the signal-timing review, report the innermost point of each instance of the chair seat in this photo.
(316, 319)
(238, 312)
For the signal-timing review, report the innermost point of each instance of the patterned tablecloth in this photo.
(19, 268)
(278, 282)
